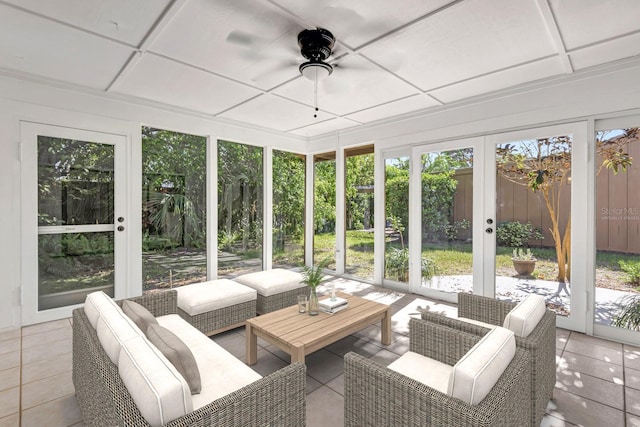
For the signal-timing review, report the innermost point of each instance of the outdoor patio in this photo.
(598, 381)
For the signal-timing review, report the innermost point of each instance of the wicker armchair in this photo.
(275, 400)
(540, 344)
(377, 396)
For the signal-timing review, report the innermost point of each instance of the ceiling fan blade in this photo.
(243, 39)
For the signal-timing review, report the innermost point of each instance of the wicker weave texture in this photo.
(540, 343)
(279, 301)
(221, 318)
(275, 400)
(377, 396)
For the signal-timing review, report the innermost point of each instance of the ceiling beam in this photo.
(554, 33)
(156, 29)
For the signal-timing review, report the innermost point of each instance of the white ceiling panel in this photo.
(469, 39)
(355, 84)
(38, 46)
(499, 80)
(394, 108)
(124, 20)
(332, 125)
(603, 53)
(356, 22)
(276, 113)
(161, 80)
(583, 22)
(243, 39)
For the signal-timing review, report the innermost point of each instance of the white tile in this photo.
(9, 401)
(46, 390)
(10, 378)
(61, 412)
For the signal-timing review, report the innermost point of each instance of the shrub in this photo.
(629, 315)
(632, 269)
(451, 231)
(396, 265)
(515, 234)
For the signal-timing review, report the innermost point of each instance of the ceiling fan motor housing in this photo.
(316, 45)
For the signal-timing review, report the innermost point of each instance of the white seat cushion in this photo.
(525, 316)
(475, 374)
(115, 328)
(158, 390)
(423, 369)
(220, 372)
(95, 303)
(272, 282)
(199, 298)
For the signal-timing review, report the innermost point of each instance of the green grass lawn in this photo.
(454, 258)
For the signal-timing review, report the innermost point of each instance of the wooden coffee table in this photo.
(299, 334)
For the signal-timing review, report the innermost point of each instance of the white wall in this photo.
(614, 91)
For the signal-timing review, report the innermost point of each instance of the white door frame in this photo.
(29, 132)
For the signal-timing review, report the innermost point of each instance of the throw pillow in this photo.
(178, 354)
(140, 315)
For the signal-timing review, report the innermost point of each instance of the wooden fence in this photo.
(617, 206)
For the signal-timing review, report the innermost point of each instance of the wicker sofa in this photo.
(275, 400)
(375, 395)
(540, 343)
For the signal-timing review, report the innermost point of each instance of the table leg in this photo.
(297, 353)
(385, 325)
(252, 345)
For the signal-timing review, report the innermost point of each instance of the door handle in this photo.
(120, 228)
(489, 230)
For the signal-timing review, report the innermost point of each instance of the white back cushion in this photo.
(475, 374)
(96, 303)
(158, 390)
(114, 329)
(524, 317)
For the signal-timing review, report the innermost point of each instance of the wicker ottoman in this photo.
(277, 288)
(217, 305)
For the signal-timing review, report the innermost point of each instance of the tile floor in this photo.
(598, 381)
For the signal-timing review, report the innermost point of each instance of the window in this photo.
(288, 209)
(240, 208)
(359, 211)
(174, 208)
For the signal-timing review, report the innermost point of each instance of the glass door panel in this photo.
(446, 188)
(617, 268)
(75, 216)
(533, 220)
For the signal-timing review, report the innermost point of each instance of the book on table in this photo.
(329, 306)
(333, 310)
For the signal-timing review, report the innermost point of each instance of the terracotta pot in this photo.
(524, 268)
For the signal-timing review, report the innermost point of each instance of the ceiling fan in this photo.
(316, 46)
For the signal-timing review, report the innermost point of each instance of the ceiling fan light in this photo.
(316, 70)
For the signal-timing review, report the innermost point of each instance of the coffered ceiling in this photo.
(238, 59)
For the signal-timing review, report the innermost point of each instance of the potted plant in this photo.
(312, 277)
(523, 261)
